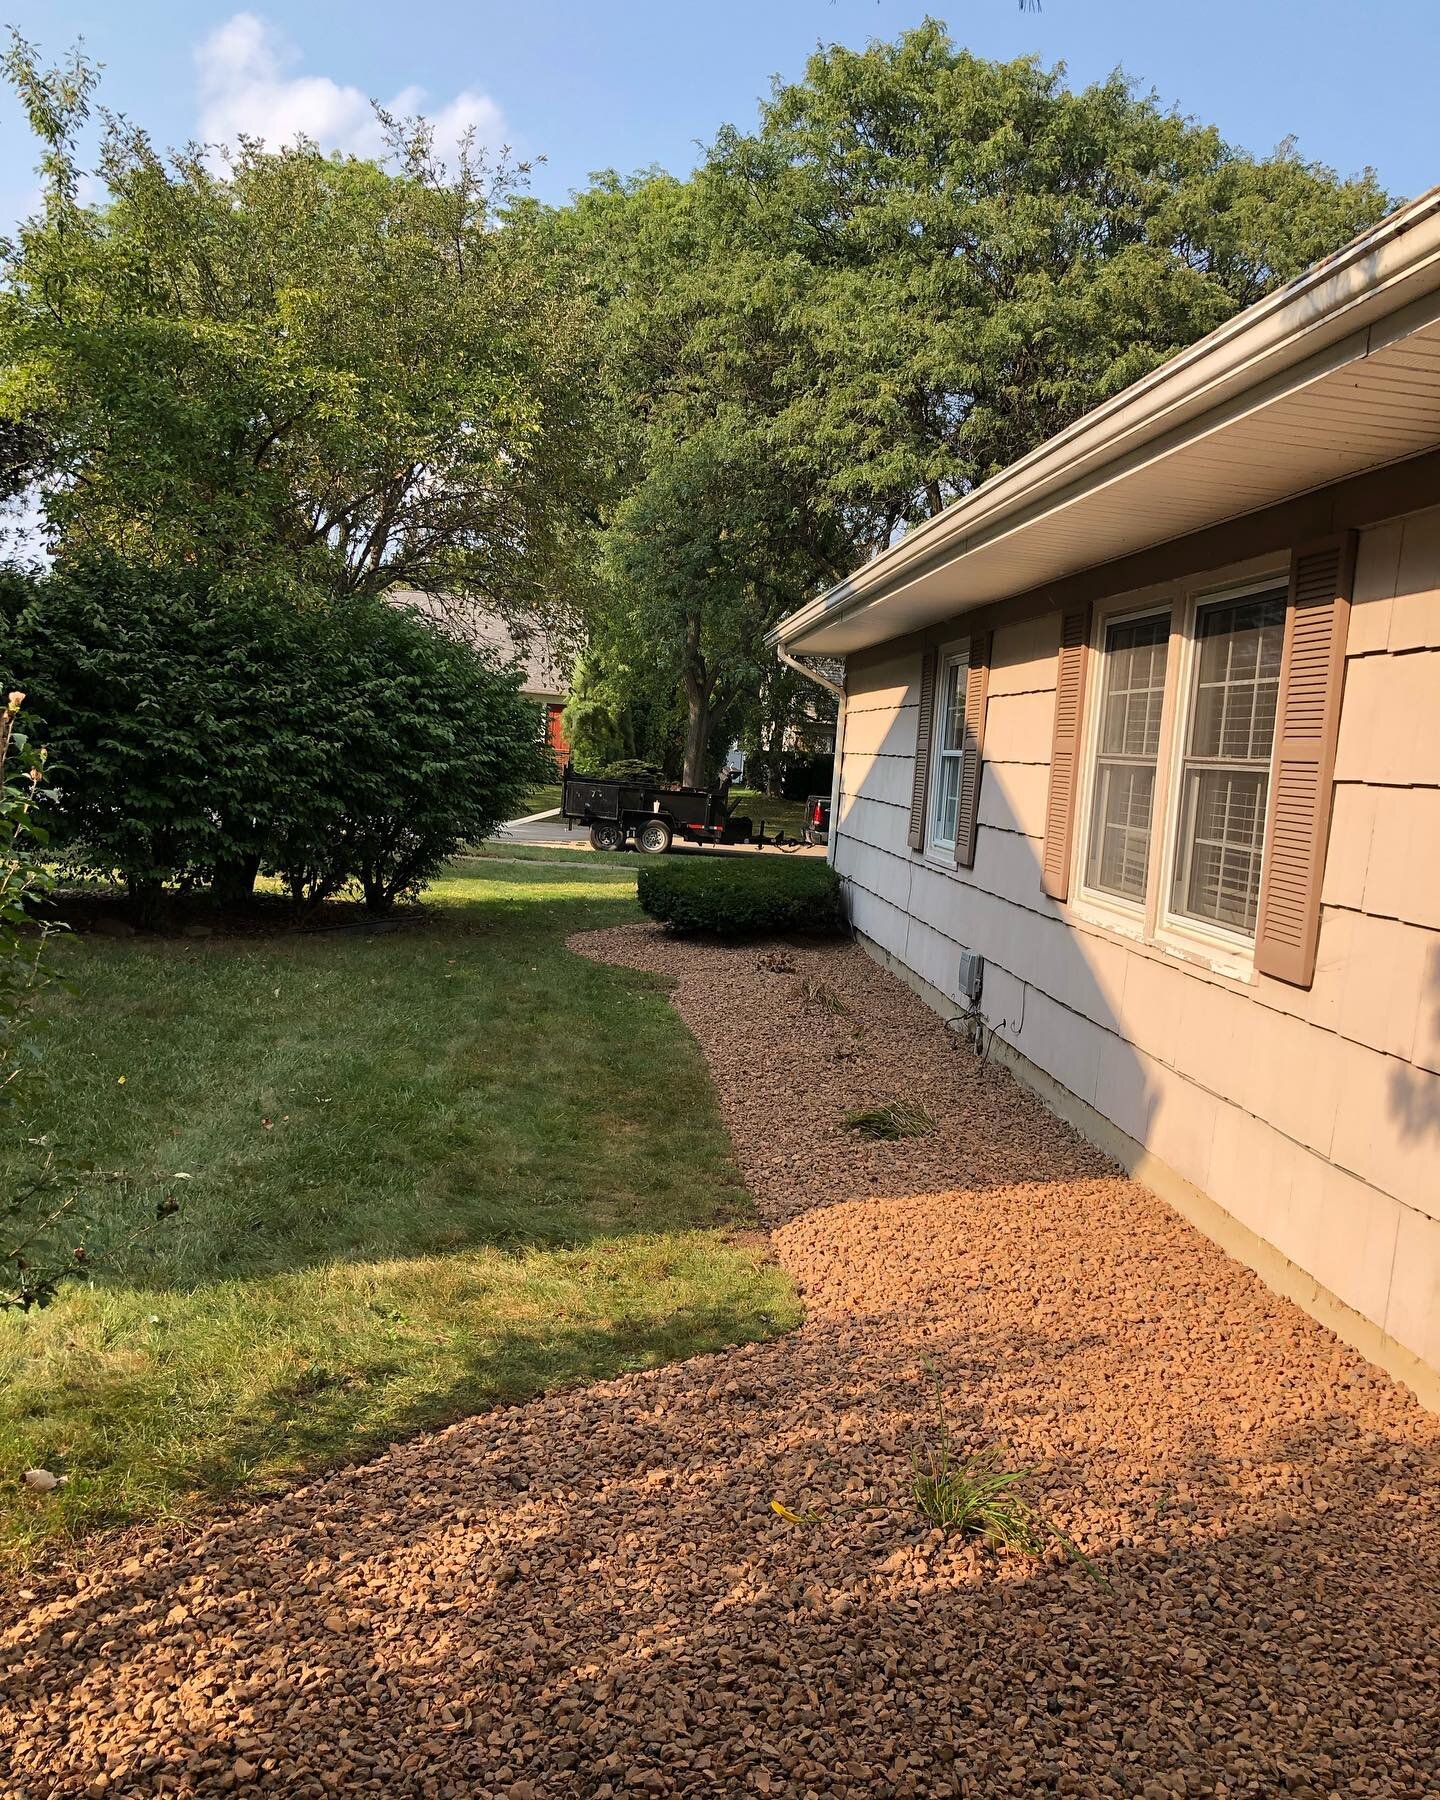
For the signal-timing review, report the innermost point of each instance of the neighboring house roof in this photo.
(1333, 374)
(545, 662)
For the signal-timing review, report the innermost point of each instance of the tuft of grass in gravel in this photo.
(896, 1120)
(811, 989)
(976, 1495)
(427, 1173)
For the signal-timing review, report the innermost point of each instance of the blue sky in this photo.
(635, 82)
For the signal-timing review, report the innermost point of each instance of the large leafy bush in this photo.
(418, 744)
(739, 897)
(209, 728)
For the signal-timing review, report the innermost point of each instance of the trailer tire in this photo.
(607, 837)
(653, 837)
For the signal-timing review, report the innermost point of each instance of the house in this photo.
(1151, 723)
(545, 660)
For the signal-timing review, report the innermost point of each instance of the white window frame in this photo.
(1155, 926)
(955, 655)
(1173, 927)
(1116, 910)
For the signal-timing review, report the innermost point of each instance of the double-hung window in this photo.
(949, 750)
(1182, 710)
(1127, 752)
(1225, 761)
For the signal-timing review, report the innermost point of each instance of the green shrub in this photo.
(172, 706)
(630, 768)
(739, 897)
(417, 745)
(207, 729)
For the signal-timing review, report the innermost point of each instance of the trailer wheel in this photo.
(653, 837)
(607, 837)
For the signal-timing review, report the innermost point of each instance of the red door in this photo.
(555, 731)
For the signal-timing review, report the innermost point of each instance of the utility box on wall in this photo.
(972, 976)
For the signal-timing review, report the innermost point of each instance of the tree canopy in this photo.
(681, 405)
(946, 259)
(282, 360)
(920, 265)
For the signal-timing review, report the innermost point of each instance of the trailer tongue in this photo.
(652, 816)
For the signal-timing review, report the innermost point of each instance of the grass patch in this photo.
(502, 850)
(425, 1176)
(779, 815)
(896, 1120)
(540, 799)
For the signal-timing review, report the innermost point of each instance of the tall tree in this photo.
(710, 548)
(918, 267)
(710, 535)
(940, 261)
(306, 364)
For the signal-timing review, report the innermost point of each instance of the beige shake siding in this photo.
(1310, 1116)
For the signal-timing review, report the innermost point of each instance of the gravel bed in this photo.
(592, 1595)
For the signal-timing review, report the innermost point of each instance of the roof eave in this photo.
(1370, 277)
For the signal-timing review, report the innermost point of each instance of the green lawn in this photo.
(541, 799)
(779, 815)
(577, 850)
(425, 1175)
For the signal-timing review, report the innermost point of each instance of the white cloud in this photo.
(249, 85)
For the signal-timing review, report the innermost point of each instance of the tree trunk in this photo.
(697, 707)
(379, 896)
(146, 900)
(233, 883)
(697, 735)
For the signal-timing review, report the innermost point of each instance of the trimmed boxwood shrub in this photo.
(739, 897)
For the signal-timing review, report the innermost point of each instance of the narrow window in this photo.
(1225, 773)
(949, 752)
(1127, 747)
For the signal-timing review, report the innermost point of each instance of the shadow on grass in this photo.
(324, 1416)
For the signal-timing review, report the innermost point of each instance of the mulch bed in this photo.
(592, 1595)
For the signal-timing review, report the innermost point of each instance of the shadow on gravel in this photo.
(323, 1407)
(594, 1589)
(591, 1594)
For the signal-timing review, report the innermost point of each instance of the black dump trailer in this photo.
(652, 815)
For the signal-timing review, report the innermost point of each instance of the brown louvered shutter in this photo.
(1307, 724)
(920, 782)
(977, 689)
(1065, 754)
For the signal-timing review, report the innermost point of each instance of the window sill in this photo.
(1168, 944)
(1219, 955)
(1118, 920)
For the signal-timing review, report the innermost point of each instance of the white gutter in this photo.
(1340, 296)
(824, 681)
